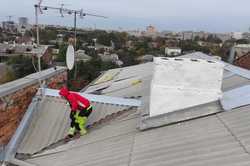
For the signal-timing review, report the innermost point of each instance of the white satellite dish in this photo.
(70, 57)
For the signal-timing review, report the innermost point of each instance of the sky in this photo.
(174, 15)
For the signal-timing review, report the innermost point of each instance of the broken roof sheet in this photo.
(125, 80)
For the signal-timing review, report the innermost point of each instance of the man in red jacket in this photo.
(80, 110)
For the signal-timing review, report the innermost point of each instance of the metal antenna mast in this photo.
(63, 11)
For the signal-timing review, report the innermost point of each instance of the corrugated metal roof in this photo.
(51, 122)
(123, 83)
(236, 98)
(214, 140)
(221, 139)
(98, 98)
(234, 69)
(234, 82)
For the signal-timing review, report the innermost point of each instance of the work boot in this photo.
(71, 131)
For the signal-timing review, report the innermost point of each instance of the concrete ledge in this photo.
(16, 85)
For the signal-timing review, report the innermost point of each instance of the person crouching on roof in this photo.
(80, 111)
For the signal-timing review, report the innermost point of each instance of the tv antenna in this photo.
(39, 8)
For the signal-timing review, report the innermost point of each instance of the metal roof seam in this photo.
(131, 151)
(232, 133)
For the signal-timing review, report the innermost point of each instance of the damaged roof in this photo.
(221, 138)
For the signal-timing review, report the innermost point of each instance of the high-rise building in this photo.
(23, 21)
(23, 24)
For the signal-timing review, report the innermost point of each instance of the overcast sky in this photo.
(176, 15)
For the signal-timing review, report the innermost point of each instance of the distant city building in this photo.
(151, 31)
(172, 51)
(106, 57)
(188, 35)
(224, 36)
(23, 25)
(246, 35)
(9, 26)
(209, 44)
(136, 33)
(237, 35)
(23, 21)
(10, 50)
(99, 47)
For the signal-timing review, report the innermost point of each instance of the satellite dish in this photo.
(70, 57)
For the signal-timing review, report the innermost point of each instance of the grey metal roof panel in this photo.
(221, 139)
(205, 141)
(44, 126)
(98, 87)
(147, 122)
(227, 74)
(199, 142)
(121, 79)
(114, 151)
(141, 70)
(233, 82)
(234, 69)
(236, 98)
(237, 122)
(127, 89)
(51, 122)
(98, 98)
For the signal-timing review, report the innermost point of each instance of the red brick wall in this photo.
(243, 61)
(14, 106)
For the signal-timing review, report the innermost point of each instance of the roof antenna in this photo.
(62, 11)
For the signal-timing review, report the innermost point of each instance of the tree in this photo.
(88, 71)
(127, 57)
(23, 65)
(62, 53)
(197, 38)
(213, 39)
(188, 45)
(7, 76)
